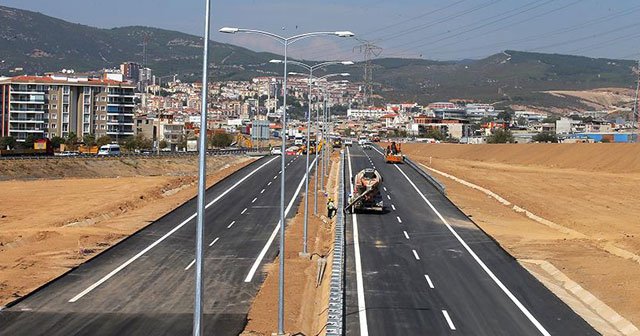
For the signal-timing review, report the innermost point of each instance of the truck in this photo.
(393, 153)
(366, 192)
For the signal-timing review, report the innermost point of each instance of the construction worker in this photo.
(331, 208)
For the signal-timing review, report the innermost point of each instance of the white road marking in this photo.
(230, 225)
(262, 191)
(362, 308)
(189, 266)
(393, 207)
(254, 200)
(415, 254)
(385, 188)
(399, 220)
(389, 197)
(275, 177)
(268, 184)
(167, 235)
(429, 281)
(446, 316)
(256, 263)
(406, 234)
(214, 241)
(243, 211)
(493, 277)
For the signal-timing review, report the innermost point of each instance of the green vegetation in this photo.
(103, 140)
(221, 140)
(500, 135)
(8, 142)
(545, 137)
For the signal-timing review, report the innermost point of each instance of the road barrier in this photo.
(215, 152)
(441, 188)
(336, 287)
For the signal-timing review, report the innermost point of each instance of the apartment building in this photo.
(48, 106)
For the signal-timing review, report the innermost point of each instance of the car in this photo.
(366, 145)
(348, 142)
(69, 153)
(276, 151)
(108, 150)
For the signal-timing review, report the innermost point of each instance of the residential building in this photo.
(48, 106)
(370, 113)
(130, 71)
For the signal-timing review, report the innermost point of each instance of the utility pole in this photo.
(369, 50)
(635, 122)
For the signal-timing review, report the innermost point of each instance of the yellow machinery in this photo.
(393, 154)
(243, 141)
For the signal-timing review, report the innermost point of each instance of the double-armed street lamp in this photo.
(311, 69)
(285, 41)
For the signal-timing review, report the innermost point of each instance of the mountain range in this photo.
(39, 43)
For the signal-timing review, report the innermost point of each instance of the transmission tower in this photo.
(369, 51)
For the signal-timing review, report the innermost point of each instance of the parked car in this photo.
(276, 151)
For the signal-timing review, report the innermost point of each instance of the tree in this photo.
(72, 141)
(163, 144)
(434, 134)
(89, 139)
(8, 141)
(545, 137)
(500, 135)
(103, 140)
(504, 115)
(56, 141)
(221, 140)
(29, 141)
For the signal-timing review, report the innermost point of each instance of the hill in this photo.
(40, 43)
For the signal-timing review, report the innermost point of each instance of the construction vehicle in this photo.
(393, 154)
(366, 192)
(337, 142)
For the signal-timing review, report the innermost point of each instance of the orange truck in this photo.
(393, 153)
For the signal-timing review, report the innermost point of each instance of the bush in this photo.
(8, 141)
(103, 140)
(56, 141)
(500, 135)
(545, 137)
(221, 140)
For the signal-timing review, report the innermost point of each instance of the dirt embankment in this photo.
(588, 191)
(306, 299)
(56, 214)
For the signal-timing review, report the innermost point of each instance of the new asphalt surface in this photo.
(144, 285)
(424, 268)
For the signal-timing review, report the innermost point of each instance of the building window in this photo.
(103, 108)
(54, 97)
(101, 126)
(103, 117)
(54, 116)
(65, 108)
(103, 98)
(53, 126)
(65, 89)
(54, 107)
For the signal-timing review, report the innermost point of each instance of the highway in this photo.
(424, 268)
(144, 285)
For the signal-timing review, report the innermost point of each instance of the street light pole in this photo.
(197, 311)
(285, 41)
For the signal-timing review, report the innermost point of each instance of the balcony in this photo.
(25, 110)
(27, 120)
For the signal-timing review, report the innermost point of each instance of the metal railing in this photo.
(432, 180)
(335, 318)
(216, 152)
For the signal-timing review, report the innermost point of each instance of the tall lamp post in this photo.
(285, 41)
(310, 68)
(202, 155)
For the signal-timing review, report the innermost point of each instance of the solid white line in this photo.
(189, 266)
(256, 263)
(254, 200)
(399, 220)
(389, 197)
(493, 277)
(262, 192)
(446, 316)
(393, 207)
(362, 308)
(154, 244)
(429, 281)
(243, 211)
(406, 234)
(230, 225)
(214, 241)
(415, 254)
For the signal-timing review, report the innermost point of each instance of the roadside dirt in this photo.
(48, 226)
(306, 304)
(589, 188)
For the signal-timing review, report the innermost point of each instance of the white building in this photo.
(359, 114)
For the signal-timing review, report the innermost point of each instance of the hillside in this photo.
(39, 43)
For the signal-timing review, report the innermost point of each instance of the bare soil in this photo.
(589, 188)
(78, 208)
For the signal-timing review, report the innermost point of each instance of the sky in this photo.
(428, 29)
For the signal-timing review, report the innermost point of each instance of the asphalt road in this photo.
(410, 273)
(144, 285)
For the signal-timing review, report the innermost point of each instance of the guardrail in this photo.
(336, 286)
(441, 188)
(129, 155)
